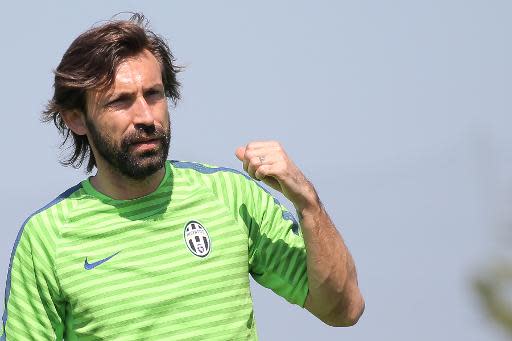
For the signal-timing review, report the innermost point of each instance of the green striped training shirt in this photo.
(172, 265)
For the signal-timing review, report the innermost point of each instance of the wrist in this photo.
(309, 206)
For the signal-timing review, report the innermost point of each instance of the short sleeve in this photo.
(33, 309)
(277, 254)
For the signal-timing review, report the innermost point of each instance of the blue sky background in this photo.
(398, 111)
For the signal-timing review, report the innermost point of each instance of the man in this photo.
(148, 249)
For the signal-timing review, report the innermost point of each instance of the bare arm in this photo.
(334, 295)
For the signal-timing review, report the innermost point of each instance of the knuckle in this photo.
(249, 154)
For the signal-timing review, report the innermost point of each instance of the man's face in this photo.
(128, 125)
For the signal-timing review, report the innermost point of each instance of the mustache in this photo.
(142, 135)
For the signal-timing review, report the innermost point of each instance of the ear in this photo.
(75, 121)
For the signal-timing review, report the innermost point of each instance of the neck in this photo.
(120, 187)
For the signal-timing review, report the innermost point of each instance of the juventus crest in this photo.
(197, 239)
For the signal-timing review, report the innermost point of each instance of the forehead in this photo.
(140, 70)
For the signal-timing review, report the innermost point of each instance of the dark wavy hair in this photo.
(91, 62)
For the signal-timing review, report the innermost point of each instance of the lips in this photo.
(145, 141)
(146, 144)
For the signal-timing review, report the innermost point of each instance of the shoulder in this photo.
(223, 181)
(47, 219)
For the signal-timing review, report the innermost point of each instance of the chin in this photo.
(145, 166)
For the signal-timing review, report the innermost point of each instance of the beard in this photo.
(133, 164)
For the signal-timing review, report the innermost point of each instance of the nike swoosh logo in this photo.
(90, 266)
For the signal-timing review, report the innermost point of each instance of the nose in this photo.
(143, 116)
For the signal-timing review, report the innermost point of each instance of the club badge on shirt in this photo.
(197, 239)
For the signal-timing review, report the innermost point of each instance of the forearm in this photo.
(334, 296)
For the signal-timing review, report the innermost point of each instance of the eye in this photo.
(119, 101)
(154, 95)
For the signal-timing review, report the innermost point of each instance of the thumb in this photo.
(240, 152)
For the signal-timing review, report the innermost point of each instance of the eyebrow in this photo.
(159, 86)
(113, 94)
(120, 95)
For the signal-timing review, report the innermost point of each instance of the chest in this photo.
(115, 271)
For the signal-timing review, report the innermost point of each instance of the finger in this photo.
(258, 148)
(258, 161)
(253, 149)
(246, 162)
(253, 165)
(271, 151)
(251, 159)
(262, 172)
(242, 155)
(240, 152)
